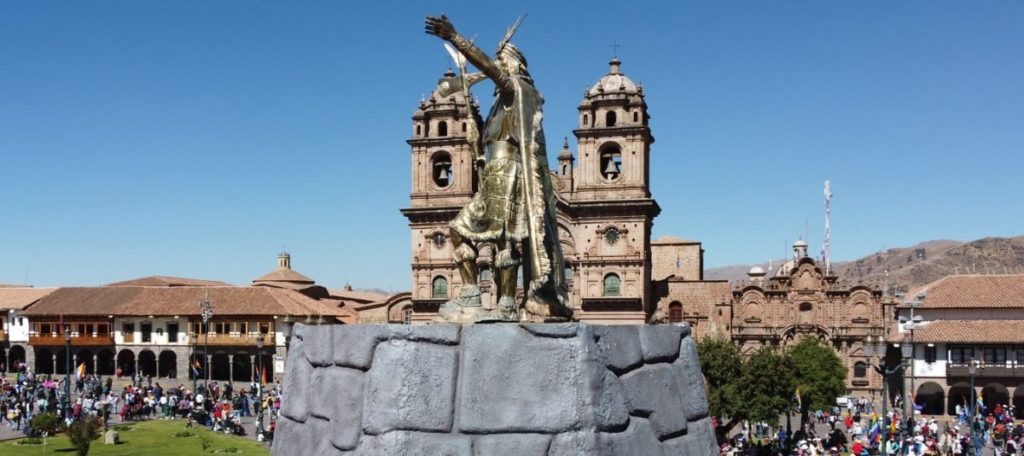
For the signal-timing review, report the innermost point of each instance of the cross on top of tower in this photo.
(615, 48)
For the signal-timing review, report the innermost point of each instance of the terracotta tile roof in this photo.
(358, 296)
(974, 291)
(184, 301)
(971, 331)
(168, 281)
(283, 275)
(18, 298)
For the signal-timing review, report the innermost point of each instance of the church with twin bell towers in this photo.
(605, 212)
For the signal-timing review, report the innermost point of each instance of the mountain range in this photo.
(906, 268)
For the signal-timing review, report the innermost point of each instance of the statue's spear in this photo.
(472, 133)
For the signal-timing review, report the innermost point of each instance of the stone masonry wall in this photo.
(494, 389)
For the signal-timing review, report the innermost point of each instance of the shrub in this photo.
(185, 434)
(82, 432)
(47, 423)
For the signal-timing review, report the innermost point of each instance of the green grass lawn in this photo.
(154, 438)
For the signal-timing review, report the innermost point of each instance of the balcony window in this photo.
(103, 330)
(264, 328)
(960, 355)
(994, 355)
(611, 285)
(89, 329)
(860, 370)
(675, 312)
(221, 327)
(243, 328)
(172, 332)
(440, 288)
(45, 329)
(147, 332)
(930, 354)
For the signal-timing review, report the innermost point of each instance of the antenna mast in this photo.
(826, 249)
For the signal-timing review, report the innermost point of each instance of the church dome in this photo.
(614, 81)
(756, 271)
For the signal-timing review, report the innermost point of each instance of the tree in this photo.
(82, 432)
(767, 381)
(819, 373)
(720, 362)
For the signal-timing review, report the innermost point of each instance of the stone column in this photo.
(95, 364)
(231, 368)
(253, 367)
(208, 372)
(6, 361)
(54, 364)
(136, 370)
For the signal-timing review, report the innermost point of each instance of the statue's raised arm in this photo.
(442, 28)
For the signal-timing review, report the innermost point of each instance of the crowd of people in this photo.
(860, 431)
(124, 399)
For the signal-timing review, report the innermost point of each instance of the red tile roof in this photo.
(168, 281)
(971, 331)
(18, 298)
(975, 292)
(184, 301)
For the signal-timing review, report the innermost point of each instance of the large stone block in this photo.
(354, 345)
(660, 344)
(655, 392)
(518, 444)
(438, 334)
(343, 392)
(687, 368)
(411, 386)
(604, 401)
(295, 400)
(405, 443)
(619, 346)
(699, 439)
(512, 381)
(318, 345)
(637, 439)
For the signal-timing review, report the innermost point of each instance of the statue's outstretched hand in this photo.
(440, 27)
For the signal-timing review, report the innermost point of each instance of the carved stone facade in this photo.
(800, 301)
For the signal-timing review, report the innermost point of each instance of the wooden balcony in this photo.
(1015, 371)
(76, 341)
(248, 340)
(3, 336)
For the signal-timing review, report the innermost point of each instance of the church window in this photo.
(860, 370)
(485, 274)
(611, 235)
(442, 128)
(441, 171)
(611, 162)
(419, 129)
(675, 312)
(565, 169)
(568, 272)
(611, 285)
(586, 120)
(440, 288)
(463, 127)
(806, 307)
(609, 119)
(636, 117)
(438, 239)
(407, 316)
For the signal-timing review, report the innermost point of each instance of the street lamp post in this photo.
(259, 386)
(206, 311)
(972, 369)
(911, 325)
(67, 372)
(877, 348)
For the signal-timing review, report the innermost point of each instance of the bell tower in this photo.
(443, 180)
(614, 139)
(611, 204)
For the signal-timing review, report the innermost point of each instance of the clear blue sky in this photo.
(198, 138)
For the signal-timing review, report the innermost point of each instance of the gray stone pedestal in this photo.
(494, 389)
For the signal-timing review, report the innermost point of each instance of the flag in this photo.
(799, 403)
(981, 403)
(263, 377)
(195, 369)
(80, 372)
(875, 430)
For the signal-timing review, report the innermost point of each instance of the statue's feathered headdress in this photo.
(508, 34)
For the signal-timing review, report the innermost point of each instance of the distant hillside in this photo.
(910, 267)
